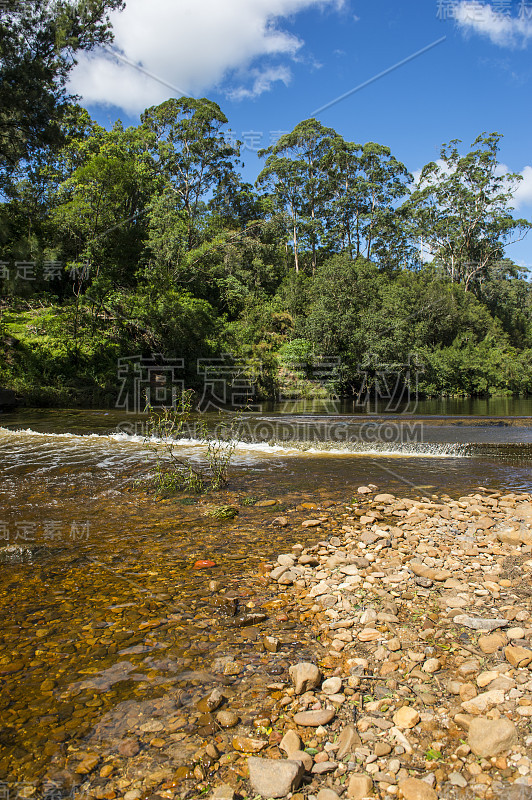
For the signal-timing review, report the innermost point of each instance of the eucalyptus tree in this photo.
(193, 156)
(296, 173)
(365, 182)
(462, 209)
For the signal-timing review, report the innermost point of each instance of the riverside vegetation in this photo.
(146, 239)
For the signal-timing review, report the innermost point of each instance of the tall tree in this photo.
(462, 210)
(365, 182)
(296, 173)
(193, 156)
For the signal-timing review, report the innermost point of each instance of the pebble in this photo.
(274, 778)
(312, 719)
(490, 737)
(305, 676)
(406, 717)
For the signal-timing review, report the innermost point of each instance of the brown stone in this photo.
(518, 656)
(490, 643)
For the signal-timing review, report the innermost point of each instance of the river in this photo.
(96, 572)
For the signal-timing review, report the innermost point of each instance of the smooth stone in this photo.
(406, 717)
(457, 780)
(305, 676)
(489, 737)
(128, 748)
(483, 702)
(312, 719)
(327, 794)
(518, 656)
(331, 685)
(223, 792)
(347, 742)
(227, 719)
(244, 744)
(304, 757)
(324, 767)
(414, 789)
(274, 777)
(290, 743)
(359, 787)
(489, 644)
(479, 623)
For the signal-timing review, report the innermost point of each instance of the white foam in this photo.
(299, 449)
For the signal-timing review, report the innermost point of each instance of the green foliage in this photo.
(164, 249)
(165, 429)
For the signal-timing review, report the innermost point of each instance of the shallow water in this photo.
(96, 575)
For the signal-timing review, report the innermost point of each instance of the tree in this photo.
(462, 210)
(365, 182)
(38, 45)
(296, 172)
(187, 141)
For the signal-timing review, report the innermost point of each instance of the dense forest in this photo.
(146, 240)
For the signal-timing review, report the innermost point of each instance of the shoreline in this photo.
(379, 654)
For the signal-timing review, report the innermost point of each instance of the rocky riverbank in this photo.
(405, 670)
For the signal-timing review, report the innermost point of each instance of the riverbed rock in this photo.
(406, 717)
(313, 719)
(359, 786)
(489, 737)
(223, 792)
(480, 624)
(274, 778)
(331, 686)
(415, 789)
(305, 676)
(227, 719)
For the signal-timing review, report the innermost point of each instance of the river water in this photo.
(97, 573)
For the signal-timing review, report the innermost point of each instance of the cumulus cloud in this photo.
(168, 48)
(502, 29)
(523, 190)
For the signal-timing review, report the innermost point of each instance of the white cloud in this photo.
(262, 82)
(191, 46)
(523, 189)
(501, 29)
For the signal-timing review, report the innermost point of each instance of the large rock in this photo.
(347, 741)
(489, 737)
(305, 676)
(313, 719)
(414, 789)
(359, 786)
(272, 777)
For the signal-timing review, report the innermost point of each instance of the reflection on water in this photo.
(97, 578)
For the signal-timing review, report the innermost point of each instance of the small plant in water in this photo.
(223, 512)
(164, 430)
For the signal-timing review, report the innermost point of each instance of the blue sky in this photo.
(271, 63)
